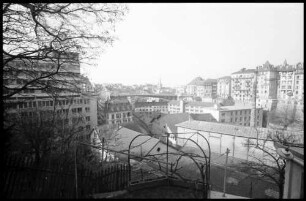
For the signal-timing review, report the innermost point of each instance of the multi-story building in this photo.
(298, 93)
(72, 107)
(202, 88)
(224, 87)
(188, 107)
(114, 111)
(286, 74)
(237, 115)
(161, 107)
(266, 93)
(180, 90)
(242, 85)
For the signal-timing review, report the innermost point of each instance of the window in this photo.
(231, 119)
(113, 116)
(87, 127)
(81, 101)
(25, 105)
(47, 103)
(51, 103)
(87, 109)
(30, 104)
(223, 114)
(240, 112)
(20, 105)
(79, 109)
(236, 112)
(88, 118)
(74, 110)
(222, 120)
(34, 104)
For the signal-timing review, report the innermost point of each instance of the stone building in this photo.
(224, 87)
(242, 85)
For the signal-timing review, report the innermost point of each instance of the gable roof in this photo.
(245, 71)
(172, 119)
(195, 81)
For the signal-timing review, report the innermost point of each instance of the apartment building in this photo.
(188, 107)
(72, 107)
(286, 75)
(236, 114)
(298, 93)
(242, 85)
(224, 87)
(114, 111)
(161, 107)
(266, 93)
(180, 89)
(202, 88)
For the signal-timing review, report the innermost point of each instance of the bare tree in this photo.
(39, 39)
(263, 162)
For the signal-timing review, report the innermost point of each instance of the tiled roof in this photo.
(196, 80)
(245, 71)
(224, 77)
(203, 117)
(235, 130)
(197, 103)
(172, 119)
(132, 126)
(144, 104)
(194, 103)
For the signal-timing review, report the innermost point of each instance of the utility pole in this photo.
(224, 184)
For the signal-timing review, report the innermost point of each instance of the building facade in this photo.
(114, 111)
(242, 85)
(188, 107)
(266, 92)
(224, 87)
(161, 107)
(71, 106)
(298, 93)
(202, 88)
(286, 75)
(236, 115)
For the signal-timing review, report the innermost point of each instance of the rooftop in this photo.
(143, 104)
(193, 103)
(245, 71)
(235, 130)
(198, 81)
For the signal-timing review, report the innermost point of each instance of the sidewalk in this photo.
(219, 195)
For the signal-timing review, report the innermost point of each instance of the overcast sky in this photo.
(178, 42)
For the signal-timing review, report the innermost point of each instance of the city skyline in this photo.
(178, 42)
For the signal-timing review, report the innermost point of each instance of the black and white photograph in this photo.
(152, 100)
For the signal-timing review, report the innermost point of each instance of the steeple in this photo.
(285, 63)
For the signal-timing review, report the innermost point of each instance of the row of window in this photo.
(120, 115)
(47, 103)
(121, 121)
